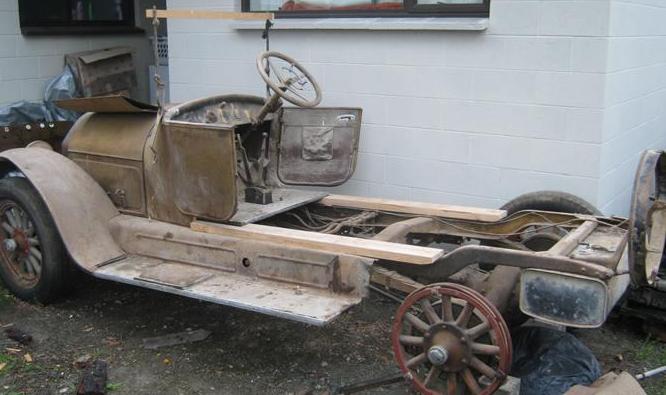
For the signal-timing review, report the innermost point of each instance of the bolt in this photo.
(437, 355)
(463, 340)
(9, 245)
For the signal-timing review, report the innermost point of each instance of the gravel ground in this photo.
(247, 353)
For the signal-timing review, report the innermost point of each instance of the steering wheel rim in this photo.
(288, 91)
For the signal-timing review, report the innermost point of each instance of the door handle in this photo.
(346, 117)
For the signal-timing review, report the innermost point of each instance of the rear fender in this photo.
(80, 208)
(648, 220)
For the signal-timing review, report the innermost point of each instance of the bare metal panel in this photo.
(305, 304)
(283, 200)
(173, 275)
(201, 168)
(318, 146)
(153, 239)
(114, 135)
(254, 259)
(309, 268)
(121, 179)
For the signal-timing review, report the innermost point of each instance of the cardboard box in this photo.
(104, 72)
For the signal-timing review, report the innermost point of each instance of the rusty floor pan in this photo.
(309, 305)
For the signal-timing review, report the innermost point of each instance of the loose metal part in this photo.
(448, 338)
(651, 373)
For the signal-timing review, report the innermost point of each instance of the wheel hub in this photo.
(21, 241)
(20, 249)
(9, 245)
(437, 355)
(450, 339)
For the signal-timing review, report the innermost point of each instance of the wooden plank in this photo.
(291, 238)
(417, 208)
(208, 14)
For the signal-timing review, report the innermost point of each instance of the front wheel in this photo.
(33, 260)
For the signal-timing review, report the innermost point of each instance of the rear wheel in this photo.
(561, 202)
(556, 201)
(33, 260)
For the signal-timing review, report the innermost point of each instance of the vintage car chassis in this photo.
(202, 200)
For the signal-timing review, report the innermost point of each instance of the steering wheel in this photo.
(288, 79)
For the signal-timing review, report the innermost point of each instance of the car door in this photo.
(318, 146)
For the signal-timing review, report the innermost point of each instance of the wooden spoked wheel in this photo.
(448, 339)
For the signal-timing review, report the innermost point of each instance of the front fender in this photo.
(80, 208)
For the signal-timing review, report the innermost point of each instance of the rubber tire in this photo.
(557, 201)
(55, 267)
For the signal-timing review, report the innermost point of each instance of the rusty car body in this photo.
(214, 199)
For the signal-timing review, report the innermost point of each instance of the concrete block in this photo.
(33, 89)
(500, 151)
(415, 173)
(10, 91)
(589, 54)
(388, 191)
(19, 68)
(7, 46)
(50, 66)
(514, 17)
(8, 5)
(358, 47)
(387, 140)
(438, 145)
(413, 112)
(570, 89)
(574, 18)
(370, 168)
(576, 159)
(467, 179)
(538, 53)
(512, 86)
(9, 23)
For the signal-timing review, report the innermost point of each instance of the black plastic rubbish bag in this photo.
(550, 362)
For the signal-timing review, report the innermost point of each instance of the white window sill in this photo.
(474, 24)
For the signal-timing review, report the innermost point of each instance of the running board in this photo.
(309, 305)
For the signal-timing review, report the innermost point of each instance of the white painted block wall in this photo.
(27, 63)
(635, 113)
(554, 95)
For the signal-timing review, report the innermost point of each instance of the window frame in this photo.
(411, 10)
(37, 27)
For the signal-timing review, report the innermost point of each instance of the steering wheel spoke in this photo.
(291, 79)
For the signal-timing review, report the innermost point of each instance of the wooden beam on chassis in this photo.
(207, 14)
(291, 238)
(416, 208)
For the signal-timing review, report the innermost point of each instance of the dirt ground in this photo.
(247, 353)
